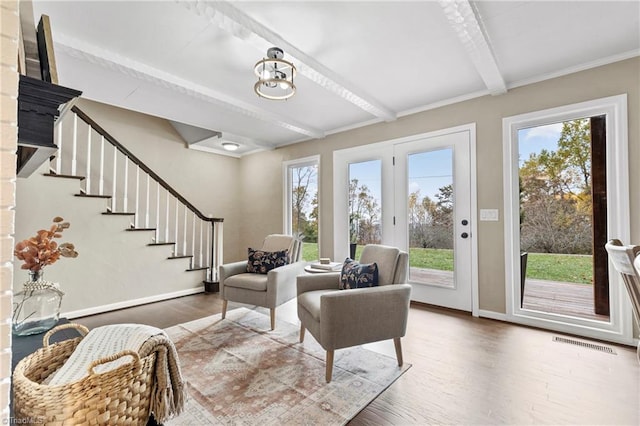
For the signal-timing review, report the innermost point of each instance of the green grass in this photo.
(310, 251)
(543, 266)
(440, 259)
(570, 268)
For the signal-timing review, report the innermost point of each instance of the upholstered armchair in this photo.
(343, 318)
(270, 289)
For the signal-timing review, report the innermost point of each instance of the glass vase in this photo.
(36, 308)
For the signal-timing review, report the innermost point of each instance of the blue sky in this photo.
(428, 171)
(535, 139)
(368, 173)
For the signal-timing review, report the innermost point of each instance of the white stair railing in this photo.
(157, 205)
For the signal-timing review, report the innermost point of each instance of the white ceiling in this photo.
(358, 62)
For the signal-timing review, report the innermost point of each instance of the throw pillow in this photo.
(358, 275)
(261, 262)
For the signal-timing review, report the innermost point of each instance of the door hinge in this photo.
(393, 160)
(394, 220)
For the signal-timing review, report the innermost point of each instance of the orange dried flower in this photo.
(41, 250)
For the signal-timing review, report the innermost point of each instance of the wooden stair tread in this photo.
(92, 196)
(184, 256)
(141, 229)
(161, 244)
(118, 213)
(197, 268)
(64, 176)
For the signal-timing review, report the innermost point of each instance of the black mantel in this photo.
(38, 108)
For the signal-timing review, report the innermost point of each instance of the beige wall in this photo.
(261, 173)
(9, 24)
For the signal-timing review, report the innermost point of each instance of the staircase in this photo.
(106, 170)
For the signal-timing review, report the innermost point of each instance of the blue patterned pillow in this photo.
(261, 262)
(356, 275)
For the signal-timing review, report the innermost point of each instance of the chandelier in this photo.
(275, 76)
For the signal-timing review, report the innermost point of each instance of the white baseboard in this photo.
(129, 303)
(492, 315)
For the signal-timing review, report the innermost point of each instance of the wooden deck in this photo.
(571, 299)
(561, 298)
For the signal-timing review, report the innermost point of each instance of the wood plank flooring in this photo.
(467, 370)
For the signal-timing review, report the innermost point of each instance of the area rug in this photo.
(239, 372)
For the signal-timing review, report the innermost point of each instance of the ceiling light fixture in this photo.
(230, 146)
(275, 76)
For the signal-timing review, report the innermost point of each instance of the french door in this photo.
(422, 187)
(433, 217)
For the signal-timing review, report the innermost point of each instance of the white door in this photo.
(433, 217)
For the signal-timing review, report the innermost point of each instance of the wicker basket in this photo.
(115, 397)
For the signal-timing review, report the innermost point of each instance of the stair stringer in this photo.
(114, 268)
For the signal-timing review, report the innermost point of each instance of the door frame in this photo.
(384, 151)
(619, 328)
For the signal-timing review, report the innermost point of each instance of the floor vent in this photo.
(597, 347)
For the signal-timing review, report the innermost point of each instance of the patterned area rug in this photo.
(241, 373)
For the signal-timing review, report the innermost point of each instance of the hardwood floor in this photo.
(467, 370)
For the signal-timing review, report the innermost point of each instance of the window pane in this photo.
(430, 217)
(365, 201)
(304, 207)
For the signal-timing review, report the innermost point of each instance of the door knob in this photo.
(464, 235)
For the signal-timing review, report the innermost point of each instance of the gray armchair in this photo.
(267, 290)
(343, 318)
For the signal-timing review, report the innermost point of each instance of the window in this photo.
(301, 203)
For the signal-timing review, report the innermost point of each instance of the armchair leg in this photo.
(302, 334)
(273, 318)
(224, 308)
(329, 370)
(396, 342)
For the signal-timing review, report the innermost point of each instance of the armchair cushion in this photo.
(261, 262)
(248, 281)
(311, 302)
(358, 275)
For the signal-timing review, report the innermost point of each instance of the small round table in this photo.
(310, 269)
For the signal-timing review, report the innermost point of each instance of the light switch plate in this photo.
(491, 215)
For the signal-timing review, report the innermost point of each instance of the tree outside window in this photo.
(303, 184)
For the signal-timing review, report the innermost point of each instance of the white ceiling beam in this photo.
(467, 25)
(107, 59)
(238, 23)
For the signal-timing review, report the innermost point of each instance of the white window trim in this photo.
(620, 327)
(286, 217)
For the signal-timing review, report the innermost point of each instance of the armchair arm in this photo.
(230, 269)
(364, 315)
(324, 281)
(281, 282)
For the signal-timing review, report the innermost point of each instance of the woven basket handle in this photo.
(81, 328)
(106, 359)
